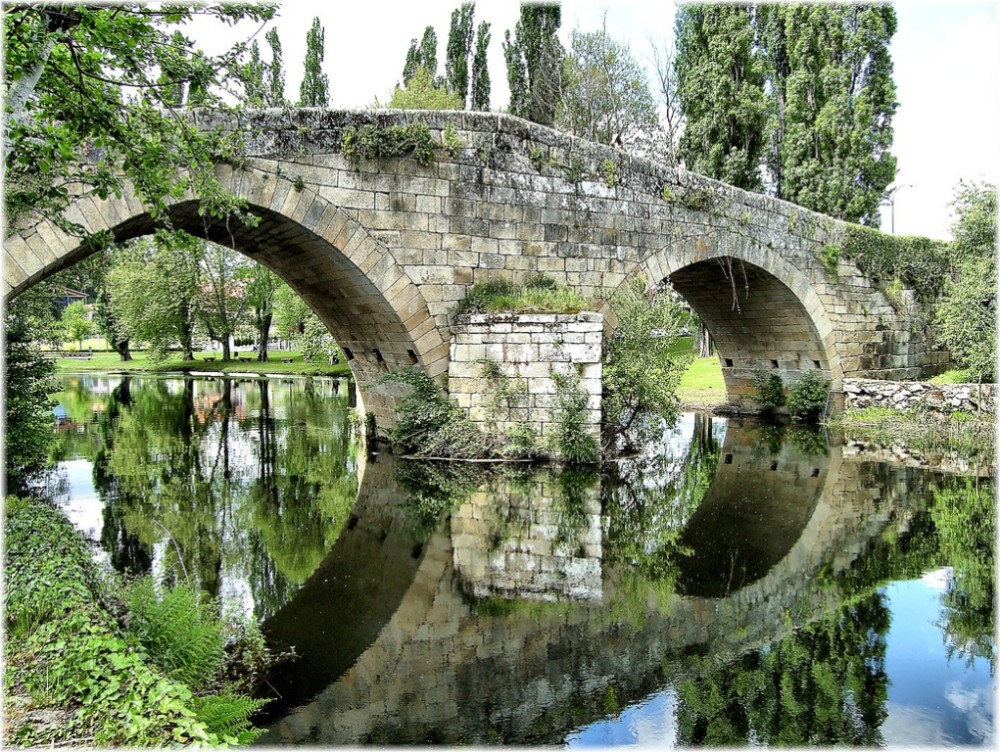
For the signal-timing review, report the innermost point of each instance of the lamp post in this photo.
(891, 195)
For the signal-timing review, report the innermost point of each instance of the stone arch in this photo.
(761, 312)
(351, 280)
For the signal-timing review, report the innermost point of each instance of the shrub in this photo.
(769, 391)
(538, 294)
(570, 439)
(807, 396)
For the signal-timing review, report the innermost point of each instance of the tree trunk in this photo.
(187, 340)
(122, 347)
(226, 355)
(703, 341)
(263, 330)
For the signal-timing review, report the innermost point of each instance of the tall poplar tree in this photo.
(833, 99)
(480, 71)
(720, 83)
(534, 58)
(314, 90)
(276, 78)
(456, 64)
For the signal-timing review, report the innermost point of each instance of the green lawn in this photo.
(702, 384)
(109, 361)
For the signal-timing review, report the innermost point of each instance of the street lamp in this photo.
(891, 195)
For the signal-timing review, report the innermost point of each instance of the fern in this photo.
(179, 631)
(228, 716)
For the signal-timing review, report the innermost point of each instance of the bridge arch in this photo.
(339, 268)
(761, 310)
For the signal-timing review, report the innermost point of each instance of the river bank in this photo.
(93, 661)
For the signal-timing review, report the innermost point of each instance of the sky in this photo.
(946, 57)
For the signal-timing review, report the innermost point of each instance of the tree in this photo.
(224, 301)
(254, 90)
(276, 77)
(314, 91)
(261, 286)
(28, 382)
(459, 48)
(69, 126)
(720, 83)
(640, 374)
(153, 290)
(75, 323)
(832, 102)
(290, 312)
(606, 97)
(421, 55)
(672, 116)
(422, 94)
(966, 316)
(534, 62)
(480, 71)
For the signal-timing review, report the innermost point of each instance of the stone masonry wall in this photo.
(937, 398)
(501, 367)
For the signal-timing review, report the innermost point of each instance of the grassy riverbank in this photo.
(702, 386)
(109, 362)
(93, 662)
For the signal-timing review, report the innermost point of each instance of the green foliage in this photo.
(570, 438)
(451, 140)
(27, 378)
(605, 92)
(720, 84)
(423, 93)
(65, 650)
(964, 515)
(698, 199)
(769, 390)
(459, 48)
(480, 70)
(920, 264)
(534, 58)
(807, 396)
(316, 342)
(610, 173)
(668, 194)
(574, 170)
(966, 315)
(640, 374)
(375, 142)
(830, 256)
(428, 424)
(538, 294)
(421, 55)
(276, 79)
(831, 99)
(75, 323)
(88, 105)
(537, 157)
(315, 88)
(178, 630)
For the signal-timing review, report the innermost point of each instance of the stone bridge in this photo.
(382, 250)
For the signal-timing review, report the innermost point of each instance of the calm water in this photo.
(741, 584)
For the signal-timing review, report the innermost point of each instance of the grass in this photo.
(954, 376)
(701, 385)
(105, 362)
(539, 294)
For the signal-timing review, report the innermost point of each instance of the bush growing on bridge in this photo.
(807, 396)
(382, 142)
(769, 390)
(538, 294)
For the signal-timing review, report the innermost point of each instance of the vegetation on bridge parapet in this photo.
(919, 264)
(376, 142)
(537, 294)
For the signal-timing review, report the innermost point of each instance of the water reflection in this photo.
(736, 585)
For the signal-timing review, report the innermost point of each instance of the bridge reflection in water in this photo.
(544, 601)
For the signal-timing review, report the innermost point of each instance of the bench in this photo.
(209, 360)
(287, 360)
(244, 360)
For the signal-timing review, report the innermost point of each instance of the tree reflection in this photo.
(250, 482)
(824, 684)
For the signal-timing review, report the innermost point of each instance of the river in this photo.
(739, 584)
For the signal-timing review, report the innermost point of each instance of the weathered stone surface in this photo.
(345, 237)
(942, 399)
(510, 380)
